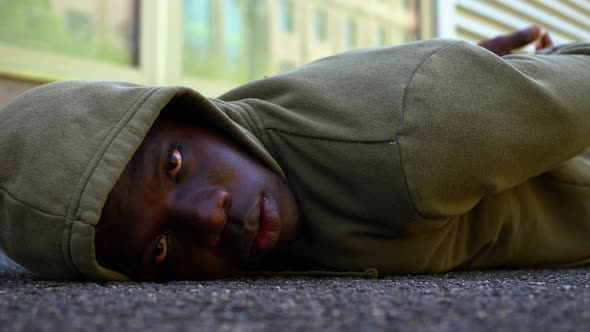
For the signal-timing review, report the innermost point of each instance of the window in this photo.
(197, 24)
(92, 29)
(381, 38)
(406, 4)
(78, 24)
(224, 40)
(286, 66)
(320, 25)
(232, 29)
(286, 16)
(350, 37)
(200, 54)
(212, 45)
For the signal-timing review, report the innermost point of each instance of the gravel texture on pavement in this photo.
(531, 300)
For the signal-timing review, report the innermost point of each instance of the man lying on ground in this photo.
(425, 157)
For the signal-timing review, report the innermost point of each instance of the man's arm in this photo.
(476, 124)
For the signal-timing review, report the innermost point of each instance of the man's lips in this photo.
(257, 233)
(269, 226)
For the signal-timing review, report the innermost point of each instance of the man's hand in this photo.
(505, 44)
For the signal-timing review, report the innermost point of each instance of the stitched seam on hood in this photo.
(329, 139)
(262, 130)
(403, 122)
(74, 206)
(250, 110)
(91, 169)
(248, 113)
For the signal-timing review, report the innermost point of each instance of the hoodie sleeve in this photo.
(476, 124)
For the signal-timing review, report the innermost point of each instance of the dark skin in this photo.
(506, 44)
(191, 204)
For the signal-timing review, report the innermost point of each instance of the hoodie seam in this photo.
(264, 129)
(282, 131)
(72, 212)
(261, 130)
(403, 122)
(73, 207)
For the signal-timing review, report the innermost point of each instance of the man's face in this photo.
(192, 205)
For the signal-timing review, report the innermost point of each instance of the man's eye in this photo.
(174, 163)
(161, 249)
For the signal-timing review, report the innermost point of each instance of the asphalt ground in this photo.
(540, 300)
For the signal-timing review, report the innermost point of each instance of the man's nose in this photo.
(202, 213)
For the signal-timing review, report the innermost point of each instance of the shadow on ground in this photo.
(546, 300)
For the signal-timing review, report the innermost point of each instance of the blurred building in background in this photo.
(475, 20)
(96, 29)
(238, 40)
(109, 21)
(214, 45)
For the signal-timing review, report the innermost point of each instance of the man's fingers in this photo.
(522, 37)
(506, 44)
(544, 42)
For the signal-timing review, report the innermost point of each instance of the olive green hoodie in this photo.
(424, 157)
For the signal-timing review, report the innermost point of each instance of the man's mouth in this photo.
(269, 227)
(256, 234)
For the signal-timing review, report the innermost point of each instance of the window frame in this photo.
(160, 54)
(44, 66)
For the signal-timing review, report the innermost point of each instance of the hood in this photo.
(62, 148)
